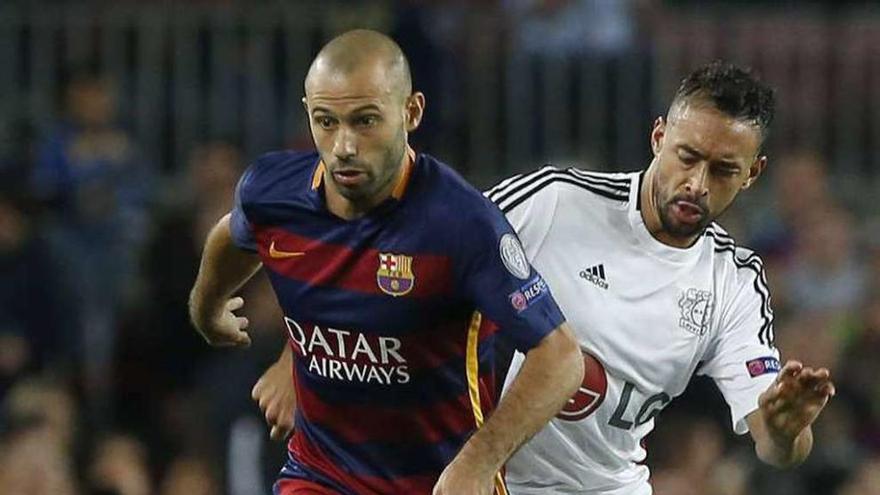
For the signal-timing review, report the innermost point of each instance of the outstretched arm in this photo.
(549, 376)
(780, 426)
(223, 270)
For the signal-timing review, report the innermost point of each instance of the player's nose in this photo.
(697, 182)
(345, 145)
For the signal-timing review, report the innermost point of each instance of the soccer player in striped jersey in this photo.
(657, 292)
(394, 276)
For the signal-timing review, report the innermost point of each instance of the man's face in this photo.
(704, 159)
(92, 102)
(359, 122)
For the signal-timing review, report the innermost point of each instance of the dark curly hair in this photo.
(731, 89)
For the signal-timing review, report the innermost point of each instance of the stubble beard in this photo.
(673, 228)
(391, 162)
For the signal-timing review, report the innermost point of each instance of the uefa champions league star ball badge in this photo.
(514, 257)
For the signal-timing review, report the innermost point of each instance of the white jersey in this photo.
(652, 315)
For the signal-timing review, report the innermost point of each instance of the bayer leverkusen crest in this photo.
(395, 276)
(696, 310)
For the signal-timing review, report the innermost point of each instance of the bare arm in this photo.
(780, 426)
(223, 270)
(549, 376)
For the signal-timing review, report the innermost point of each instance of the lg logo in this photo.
(591, 394)
(648, 410)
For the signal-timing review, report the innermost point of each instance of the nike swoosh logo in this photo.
(274, 253)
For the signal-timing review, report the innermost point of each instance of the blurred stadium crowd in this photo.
(106, 389)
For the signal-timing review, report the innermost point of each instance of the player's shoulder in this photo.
(444, 192)
(743, 264)
(744, 281)
(566, 185)
(276, 175)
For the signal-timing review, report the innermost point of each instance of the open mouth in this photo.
(687, 212)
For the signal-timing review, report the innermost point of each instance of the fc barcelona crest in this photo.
(395, 276)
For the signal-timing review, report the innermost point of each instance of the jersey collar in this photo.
(644, 238)
(399, 188)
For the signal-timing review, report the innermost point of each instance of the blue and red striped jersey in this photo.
(391, 316)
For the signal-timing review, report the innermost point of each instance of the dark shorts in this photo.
(294, 479)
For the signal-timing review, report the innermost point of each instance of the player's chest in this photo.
(345, 272)
(647, 319)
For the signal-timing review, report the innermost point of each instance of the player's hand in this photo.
(795, 399)
(226, 329)
(277, 399)
(463, 479)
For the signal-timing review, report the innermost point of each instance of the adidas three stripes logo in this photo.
(596, 275)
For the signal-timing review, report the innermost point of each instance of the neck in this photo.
(349, 209)
(651, 214)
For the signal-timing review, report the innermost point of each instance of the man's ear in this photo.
(755, 171)
(657, 135)
(415, 109)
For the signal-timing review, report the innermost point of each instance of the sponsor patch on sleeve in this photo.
(762, 366)
(533, 290)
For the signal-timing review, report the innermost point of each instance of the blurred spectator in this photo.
(33, 464)
(807, 240)
(35, 312)
(812, 337)
(826, 273)
(190, 476)
(212, 173)
(89, 168)
(91, 175)
(859, 372)
(119, 467)
(203, 194)
(865, 480)
(799, 183)
(45, 402)
(689, 453)
(38, 426)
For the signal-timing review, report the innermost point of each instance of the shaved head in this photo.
(362, 50)
(361, 108)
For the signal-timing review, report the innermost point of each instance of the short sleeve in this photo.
(495, 275)
(239, 225)
(531, 213)
(743, 361)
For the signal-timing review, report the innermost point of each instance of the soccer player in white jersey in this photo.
(657, 292)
